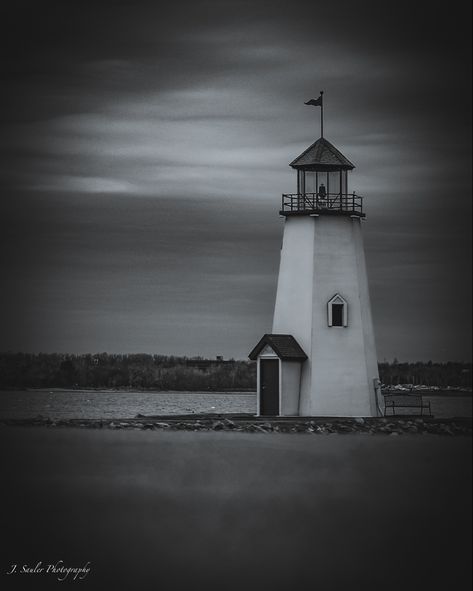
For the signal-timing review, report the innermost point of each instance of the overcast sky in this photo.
(145, 147)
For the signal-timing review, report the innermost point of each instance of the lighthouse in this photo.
(320, 358)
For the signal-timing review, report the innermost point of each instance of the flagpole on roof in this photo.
(319, 103)
(321, 113)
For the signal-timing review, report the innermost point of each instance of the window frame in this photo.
(337, 299)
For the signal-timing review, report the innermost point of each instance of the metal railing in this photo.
(351, 204)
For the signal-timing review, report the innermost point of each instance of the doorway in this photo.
(269, 387)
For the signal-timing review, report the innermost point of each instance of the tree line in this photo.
(133, 371)
(451, 373)
(168, 372)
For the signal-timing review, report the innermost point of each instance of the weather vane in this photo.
(319, 102)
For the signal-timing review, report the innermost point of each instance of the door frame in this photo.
(267, 355)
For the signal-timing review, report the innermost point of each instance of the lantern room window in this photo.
(337, 311)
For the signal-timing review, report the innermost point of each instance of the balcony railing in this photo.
(334, 203)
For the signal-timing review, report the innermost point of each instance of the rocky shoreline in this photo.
(397, 425)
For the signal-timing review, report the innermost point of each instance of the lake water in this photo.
(87, 404)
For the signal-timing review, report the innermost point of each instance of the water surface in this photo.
(91, 404)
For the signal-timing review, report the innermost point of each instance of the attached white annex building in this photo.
(320, 359)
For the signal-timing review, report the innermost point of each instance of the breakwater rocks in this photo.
(397, 425)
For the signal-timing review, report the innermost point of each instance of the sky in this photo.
(145, 147)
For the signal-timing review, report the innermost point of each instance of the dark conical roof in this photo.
(322, 153)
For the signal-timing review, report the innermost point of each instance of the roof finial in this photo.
(319, 103)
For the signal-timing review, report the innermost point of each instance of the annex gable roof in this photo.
(284, 345)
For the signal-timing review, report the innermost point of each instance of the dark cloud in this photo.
(145, 146)
(175, 274)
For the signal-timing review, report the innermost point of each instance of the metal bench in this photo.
(394, 401)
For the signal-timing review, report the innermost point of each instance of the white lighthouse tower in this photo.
(320, 359)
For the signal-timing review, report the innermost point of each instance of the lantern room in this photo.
(322, 183)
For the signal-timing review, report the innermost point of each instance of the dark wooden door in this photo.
(269, 387)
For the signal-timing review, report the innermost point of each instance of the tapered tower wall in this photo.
(294, 299)
(322, 256)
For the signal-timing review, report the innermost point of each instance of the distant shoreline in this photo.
(128, 390)
(439, 393)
